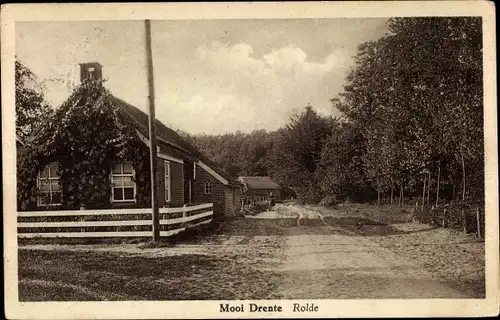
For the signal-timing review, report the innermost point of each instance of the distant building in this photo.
(257, 189)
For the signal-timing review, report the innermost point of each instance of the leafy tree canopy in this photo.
(31, 107)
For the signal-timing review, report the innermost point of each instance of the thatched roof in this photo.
(167, 136)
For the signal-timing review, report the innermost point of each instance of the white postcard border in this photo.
(210, 309)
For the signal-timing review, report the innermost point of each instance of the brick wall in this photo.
(238, 199)
(176, 183)
(218, 194)
(232, 201)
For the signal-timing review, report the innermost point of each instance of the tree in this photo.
(254, 153)
(297, 152)
(341, 169)
(31, 107)
(411, 121)
(290, 155)
(446, 56)
(416, 97)
(236, 153)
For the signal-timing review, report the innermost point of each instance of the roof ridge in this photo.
(255, 177)
(166, 134)
(157, 120)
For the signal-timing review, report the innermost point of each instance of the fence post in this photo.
(82, 218)
(478, 219)
(184, 215)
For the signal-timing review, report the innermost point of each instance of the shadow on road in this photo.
(241, 227)
(343, 283)
(367, 227)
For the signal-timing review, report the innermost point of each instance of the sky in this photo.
(211, 76)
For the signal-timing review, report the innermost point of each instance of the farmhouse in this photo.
(95, 155)
(257, 189)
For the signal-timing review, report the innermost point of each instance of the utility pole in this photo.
(152, 136)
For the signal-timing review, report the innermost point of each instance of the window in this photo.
(49, 186)
(166, 164)
(208, 187)
(91, 73)
(122, 181)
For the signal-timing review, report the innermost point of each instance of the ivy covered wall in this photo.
(86, 137)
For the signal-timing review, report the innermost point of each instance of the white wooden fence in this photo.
(173, 220)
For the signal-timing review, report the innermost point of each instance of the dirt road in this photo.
(341, 266)
(338, 264)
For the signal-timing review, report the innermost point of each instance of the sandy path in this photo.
(333, 266)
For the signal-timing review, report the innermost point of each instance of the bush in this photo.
(329, 200)
(458, 215)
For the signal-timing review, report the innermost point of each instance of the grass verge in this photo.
(56, 275)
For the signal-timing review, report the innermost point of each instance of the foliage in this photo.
(341, 172)
(86, 137)
(459, 215)
(298, 152)
(239, 154)
(31, 107)
(416, 96)
(290, 155)
(411, 110)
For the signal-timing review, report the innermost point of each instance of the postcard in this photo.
(250, 160)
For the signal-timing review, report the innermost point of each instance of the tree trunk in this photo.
(444, 217)
(478, 223)
(437, 185)
(402, 195)
(423, 194)
(464, 217)
(392, 191)
(429, 190)
(378, 191)
(464, 220)
(463, 173)
(399, 197)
